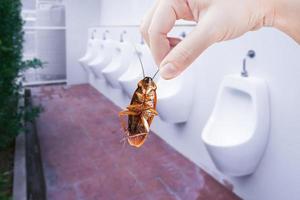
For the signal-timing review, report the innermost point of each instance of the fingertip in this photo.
(185, 52)
(169, 71)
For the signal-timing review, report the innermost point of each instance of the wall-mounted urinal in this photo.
(106, 53)
(134, 73)
(236, 133)
(119, 64)
(91, 53)
(175, 98)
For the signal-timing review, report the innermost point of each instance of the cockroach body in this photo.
(141, 110)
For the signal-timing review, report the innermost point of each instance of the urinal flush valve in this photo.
(93, 34)
(250, 54)
(122, 36)
(142, 40)
(104, 34)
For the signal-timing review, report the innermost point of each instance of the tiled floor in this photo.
(84, 159)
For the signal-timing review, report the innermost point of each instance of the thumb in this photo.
(186, 51)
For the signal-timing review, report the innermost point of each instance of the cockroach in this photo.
(141, 110)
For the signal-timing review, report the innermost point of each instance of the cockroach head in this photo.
(147, 82)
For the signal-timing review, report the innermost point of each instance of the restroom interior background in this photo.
(277, 61)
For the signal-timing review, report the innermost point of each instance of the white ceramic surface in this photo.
(134, 73)
(105, 54)
(236, 133)
(119, 63)
(175, 98)
(90, 54)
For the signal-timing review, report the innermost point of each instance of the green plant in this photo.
(11, 66)
(6, 172)
(3, 183)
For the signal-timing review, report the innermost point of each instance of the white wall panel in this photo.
(80, 15)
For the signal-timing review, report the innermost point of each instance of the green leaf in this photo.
(11, 66)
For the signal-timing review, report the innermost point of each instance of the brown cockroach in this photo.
(141, 110)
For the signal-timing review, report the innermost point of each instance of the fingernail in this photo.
(168, 71)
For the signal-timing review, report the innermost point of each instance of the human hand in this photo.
(217, 20)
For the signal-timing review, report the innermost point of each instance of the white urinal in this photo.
(236, 133)
(91, 52)
(119, 64)
(107, 51)
(175, 98)
(134, 73)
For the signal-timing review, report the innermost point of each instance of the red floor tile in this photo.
(84, 157)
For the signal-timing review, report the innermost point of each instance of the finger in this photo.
(185, 52)
(163, 20)
(146, 21)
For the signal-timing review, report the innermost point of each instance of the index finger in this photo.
(163, 20)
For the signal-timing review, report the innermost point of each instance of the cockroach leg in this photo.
(124, 139)
(132, 136)
(135, 107)
(122, 114)
(123, 123)
(126, 136)
(127, 112)
(148, 90)
(145, 123)
(136, 135)
(140, 96)
(152, 111)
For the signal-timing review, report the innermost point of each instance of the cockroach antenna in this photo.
(138, 55)
(155, 73)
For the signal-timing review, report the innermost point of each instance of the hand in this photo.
(217, 20)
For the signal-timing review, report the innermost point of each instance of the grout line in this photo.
(168, 188)
(138, 182)
(44, 28)
(136, 25)
(40, 83)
